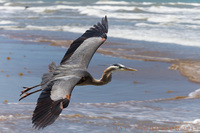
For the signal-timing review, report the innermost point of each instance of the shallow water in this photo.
(129, 116)
(133, 102)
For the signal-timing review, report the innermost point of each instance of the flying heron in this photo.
(57, 85)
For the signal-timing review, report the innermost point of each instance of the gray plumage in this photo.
(58, 84)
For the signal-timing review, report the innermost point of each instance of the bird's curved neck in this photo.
(106, 77)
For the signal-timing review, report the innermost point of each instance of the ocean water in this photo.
(163, 21)
(149, 100)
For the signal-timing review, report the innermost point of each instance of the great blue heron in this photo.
(57, 85)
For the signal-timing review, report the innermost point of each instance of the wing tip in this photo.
(47, 112)
(105, 23)
(41, 119)
(98, 29)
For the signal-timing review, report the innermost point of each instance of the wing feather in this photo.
(98, 30)
(48, 109)
(53, 98)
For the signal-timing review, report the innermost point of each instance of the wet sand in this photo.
(189, 69)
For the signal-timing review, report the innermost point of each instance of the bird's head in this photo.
(120, 67)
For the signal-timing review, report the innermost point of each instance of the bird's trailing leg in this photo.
(28, 88)
(27, 94)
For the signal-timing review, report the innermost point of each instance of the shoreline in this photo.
(148, 81)
(187, 67)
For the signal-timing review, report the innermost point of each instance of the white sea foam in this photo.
(118, 15)
(171, 14)
(182, 3)
(7, 4)
(11, 28)
(26, 2)
(165, 36)
(173, 10)
(196, 121)
(113, 2)
(4, 117)
(89, 10)
(195, 94)
(66, 2)
(57, 7)
(47, 28)
(6, 22)
(112, 8)
(11, 9)
(190, 126)
(162, 36)
(9, 117)
(100, 11)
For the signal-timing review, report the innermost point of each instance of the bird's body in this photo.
(58, 84)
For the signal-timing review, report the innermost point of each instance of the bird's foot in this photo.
(28, 88)
(25, 90)
(27, 94)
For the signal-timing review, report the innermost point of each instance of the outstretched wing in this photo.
(99, 30)
(52, 100)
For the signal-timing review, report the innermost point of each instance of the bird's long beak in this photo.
(129, 69)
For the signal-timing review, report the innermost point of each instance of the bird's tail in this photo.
(48, 76)
(52, 67)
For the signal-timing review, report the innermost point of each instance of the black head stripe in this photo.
(118, 65)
